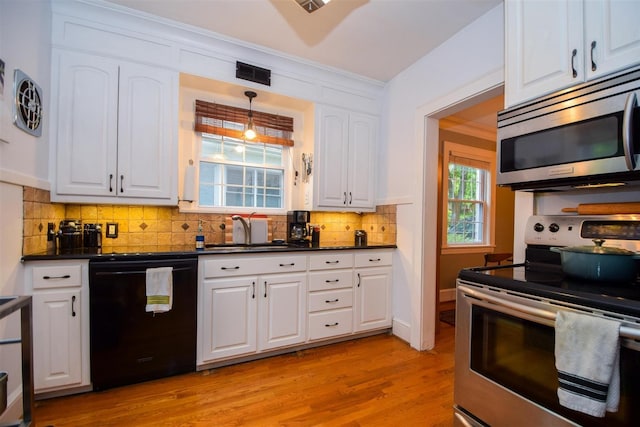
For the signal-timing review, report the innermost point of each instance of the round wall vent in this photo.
(28, 106)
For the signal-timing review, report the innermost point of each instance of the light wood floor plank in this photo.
(374, 381)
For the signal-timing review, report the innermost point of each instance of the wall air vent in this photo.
(27, 109)
(253, 73)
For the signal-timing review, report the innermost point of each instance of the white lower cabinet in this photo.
(282, 310)
(249, 304)
(229, 318)
(330, 295)
(373, 290)
(247, 307)
(60, 293)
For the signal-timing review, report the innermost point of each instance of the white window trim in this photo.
(474, 153)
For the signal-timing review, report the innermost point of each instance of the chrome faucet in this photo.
(246, 225)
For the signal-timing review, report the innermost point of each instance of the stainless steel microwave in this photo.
(587, 135)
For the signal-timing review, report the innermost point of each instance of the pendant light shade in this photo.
(250, 131)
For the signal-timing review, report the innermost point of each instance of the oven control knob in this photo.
(553, 227)
(538, 227)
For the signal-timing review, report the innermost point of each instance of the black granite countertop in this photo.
(182, 251)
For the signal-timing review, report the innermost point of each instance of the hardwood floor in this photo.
(374, 381)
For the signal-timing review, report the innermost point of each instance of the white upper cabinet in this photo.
(345, 160)
(551, 45)
(115, 137)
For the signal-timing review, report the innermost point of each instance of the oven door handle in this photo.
(550, 316)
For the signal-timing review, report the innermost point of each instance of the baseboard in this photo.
(447, 294)
(14, 408)
(402, 330)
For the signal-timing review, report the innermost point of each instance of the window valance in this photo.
(231, 121)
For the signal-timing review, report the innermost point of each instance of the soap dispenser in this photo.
(200, 237)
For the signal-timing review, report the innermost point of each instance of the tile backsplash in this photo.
(166, 226)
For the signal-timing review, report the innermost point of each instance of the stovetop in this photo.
(541, 275)
(548, 281)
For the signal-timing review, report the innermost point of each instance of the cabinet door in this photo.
(332, 157)
(373, 298)
(146, 132)
(57, 339)
(282, 310)
(86, 116)
(363, 133)
(612, 36)
(229, 319)
(540, 40)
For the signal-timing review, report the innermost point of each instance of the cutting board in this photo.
(605, 208)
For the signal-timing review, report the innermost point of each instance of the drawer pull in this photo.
(331, 325)
(237, 267)
(288, 265)
(329, 301)
(332, 281)
(332, 262)
(375, 259)
(66, 276)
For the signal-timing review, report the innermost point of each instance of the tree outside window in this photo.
(469, 193)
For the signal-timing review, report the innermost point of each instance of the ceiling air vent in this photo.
(253, 73)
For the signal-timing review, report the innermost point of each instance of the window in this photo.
(234, 173)
(468, 194)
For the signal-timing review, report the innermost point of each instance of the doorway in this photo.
(473, 127)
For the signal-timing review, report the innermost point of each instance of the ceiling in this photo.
(372, 38)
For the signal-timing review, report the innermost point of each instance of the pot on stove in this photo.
(599, 262)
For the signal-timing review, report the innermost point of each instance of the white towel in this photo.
(159, 289)
(587, 354)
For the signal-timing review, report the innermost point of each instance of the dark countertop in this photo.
(183, 251)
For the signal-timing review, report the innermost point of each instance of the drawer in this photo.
(223, 266)
(367, 258)
(328, 300)
(331, 260)
(328, 324)
(323, 280)
(57, 276)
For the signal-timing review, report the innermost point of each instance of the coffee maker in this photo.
(297, 228)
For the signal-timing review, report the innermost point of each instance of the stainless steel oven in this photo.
(586, 135)
(505, 371)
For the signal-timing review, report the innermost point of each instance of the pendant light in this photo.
(250, 132)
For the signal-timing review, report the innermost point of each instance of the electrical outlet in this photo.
(112, 230)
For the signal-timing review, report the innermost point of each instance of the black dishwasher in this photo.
(129, 344)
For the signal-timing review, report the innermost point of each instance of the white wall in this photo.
(25, 44)
(470, 62)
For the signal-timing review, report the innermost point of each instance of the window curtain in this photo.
(231, 121)
(465, 160)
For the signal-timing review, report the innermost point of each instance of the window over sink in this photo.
(235, 173)
(223, 172)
